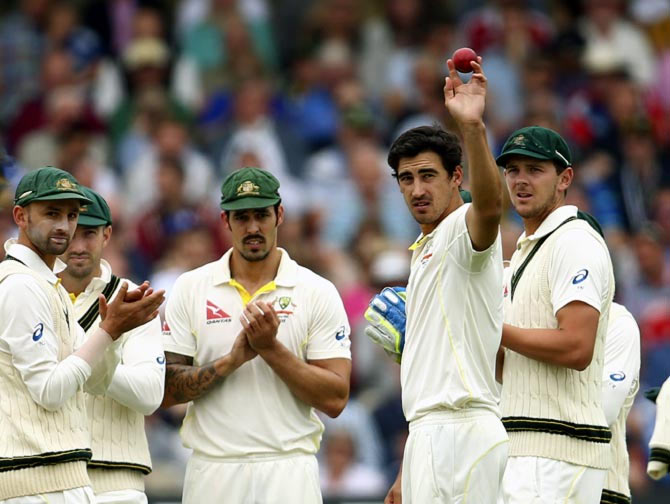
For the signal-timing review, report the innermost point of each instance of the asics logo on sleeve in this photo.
(38, 331)
(580, 276)
(160, 359)
(618, 376)
(340, 334)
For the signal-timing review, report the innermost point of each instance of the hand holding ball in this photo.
(462, 58)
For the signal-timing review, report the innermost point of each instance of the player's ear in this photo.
(457, 175)
(280, 214)
(225, 219)
(20, 215)
(565, 179)
(106, 234)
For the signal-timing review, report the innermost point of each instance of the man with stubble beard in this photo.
(255, 342)
(557, 305)
(116, 419)
(44, 361)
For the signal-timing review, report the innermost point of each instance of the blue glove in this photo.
(386, 315)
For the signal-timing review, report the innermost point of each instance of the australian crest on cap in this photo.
(65, 185)
(519, 140)
(248, 188)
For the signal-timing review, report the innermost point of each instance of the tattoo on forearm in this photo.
(184, 382)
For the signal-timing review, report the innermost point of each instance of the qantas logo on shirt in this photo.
(216, 314)
(166, 327)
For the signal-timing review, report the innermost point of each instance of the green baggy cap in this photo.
(536, 142)
(96, 213)
(48, 183)
(249, 188)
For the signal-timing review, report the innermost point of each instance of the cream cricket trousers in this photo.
(537, 480)
(121, 497)
(454, 458)
(80, 495)
(261, 480)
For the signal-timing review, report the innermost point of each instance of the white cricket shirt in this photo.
(454, 322)
(27, 333)
(621, 373)
(253, 412)
(139, 379)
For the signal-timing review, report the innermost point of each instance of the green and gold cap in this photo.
(96, 213)
(48, 183)
(249, 188)
(536, 142)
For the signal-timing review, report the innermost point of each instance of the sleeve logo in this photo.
(340, 334)
(618, 376)
(38, 331)
(580, 276)
(160, 359)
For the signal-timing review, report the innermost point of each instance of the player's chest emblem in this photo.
(426, 254)
(215, 314)
(284, 306)
(505, 291)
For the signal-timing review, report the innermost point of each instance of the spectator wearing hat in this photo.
(256, 342)
(146, 63)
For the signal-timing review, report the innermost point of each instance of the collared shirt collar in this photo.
(424, 238)
(551, 222)
(286, 274)
(101, 281)
(30, 258)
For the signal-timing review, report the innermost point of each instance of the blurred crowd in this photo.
(153, 103)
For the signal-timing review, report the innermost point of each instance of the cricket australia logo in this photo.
(65, 185)
(427, 254)
(286, 306)
(248, 188)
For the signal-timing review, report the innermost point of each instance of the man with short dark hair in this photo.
(257, 343)
(44, 442)
(557, 304)
(116, 419)
(457, 445)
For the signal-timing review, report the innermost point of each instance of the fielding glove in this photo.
(387, 318)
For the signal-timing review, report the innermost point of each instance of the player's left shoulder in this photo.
(580, 231)
(455, 222)
(310, 282)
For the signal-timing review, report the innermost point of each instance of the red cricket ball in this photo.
(462, 58)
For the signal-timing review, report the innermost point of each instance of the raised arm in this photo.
(465, 103)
